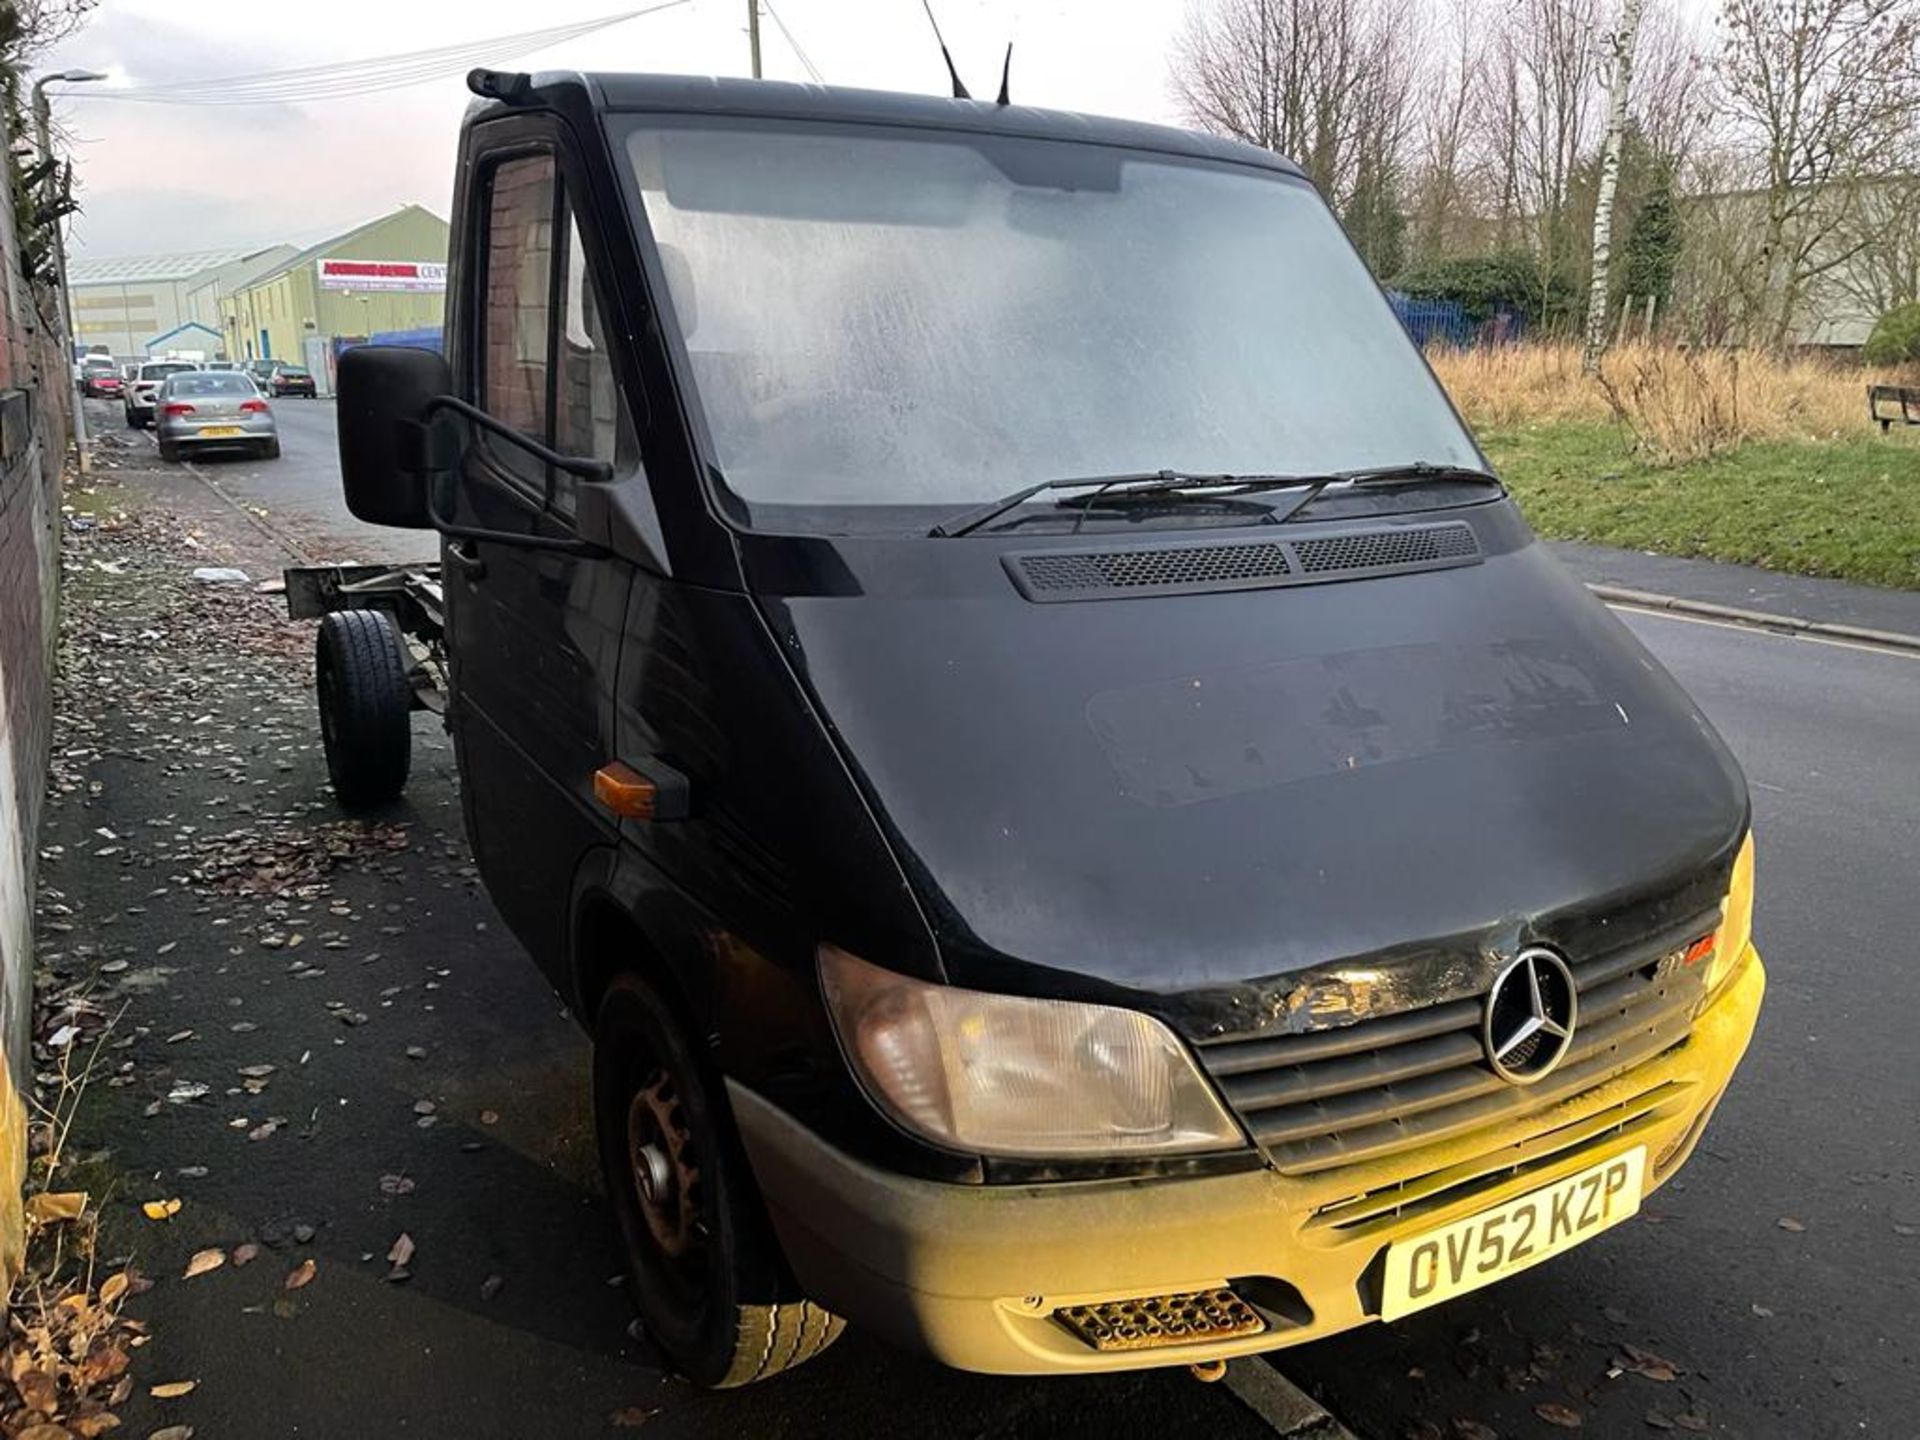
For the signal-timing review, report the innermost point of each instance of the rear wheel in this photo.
(712, 1288)
(169, 451)
(270, 450)
(366, 705)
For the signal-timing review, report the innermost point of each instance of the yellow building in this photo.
(389, 274)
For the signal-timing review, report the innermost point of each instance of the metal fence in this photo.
(1446, 322)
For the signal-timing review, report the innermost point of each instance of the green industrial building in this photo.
(386, 275)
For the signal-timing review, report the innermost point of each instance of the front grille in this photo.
(1053, 575)
(1133, 569)
(1327, 1098)
(1375, 549)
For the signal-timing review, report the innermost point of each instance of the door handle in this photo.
(463, 554)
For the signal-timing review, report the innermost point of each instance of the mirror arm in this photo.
(562, 544)
(599, 471)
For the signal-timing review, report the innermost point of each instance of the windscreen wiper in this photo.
(1110, 487)
(1415, 472)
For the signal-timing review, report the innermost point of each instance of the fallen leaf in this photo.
(424, 1107)
(402, 1250)
(1473, 1430)
(173, 1389)
(113, 1288)
(49, 1207)
(1761, 1310)
(203, 1261)
(45, 1432)
(490, 1286)
(1657, 1421)
(244, 1254)
(1652, 1366)
(396, 1185)
(94, 1425)
(160, 1209)
(1692, 1420)
(1555, 1413)
(38, 1391)
(301, 1275)
(1908, 1230)
(630, 1417)
(173, 1432)
(105, 1361)
(1788, 1223)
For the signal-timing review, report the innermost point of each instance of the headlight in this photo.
(1736, 924)
(1003, 1075)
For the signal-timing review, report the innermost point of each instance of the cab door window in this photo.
(517, 305)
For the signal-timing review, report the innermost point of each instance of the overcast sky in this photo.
(162, 178)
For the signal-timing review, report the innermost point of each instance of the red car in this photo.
(100, 382)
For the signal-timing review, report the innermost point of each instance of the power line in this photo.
(367, 76)
(792, 43)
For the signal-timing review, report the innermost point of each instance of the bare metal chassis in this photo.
(409, 595)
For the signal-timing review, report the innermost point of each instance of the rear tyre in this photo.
(707, 1274)
(169, 452)
(270, 450)
(360, 674)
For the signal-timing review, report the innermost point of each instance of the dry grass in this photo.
(1677, 405)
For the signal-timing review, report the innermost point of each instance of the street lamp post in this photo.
(42, 120)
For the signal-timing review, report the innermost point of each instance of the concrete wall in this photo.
(32, 446)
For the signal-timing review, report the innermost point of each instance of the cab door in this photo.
(533, 633)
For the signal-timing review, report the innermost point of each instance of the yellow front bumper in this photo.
(973, 1274)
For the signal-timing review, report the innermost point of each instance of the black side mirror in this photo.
(384, 392)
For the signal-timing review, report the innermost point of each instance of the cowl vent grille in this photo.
(1050, 575)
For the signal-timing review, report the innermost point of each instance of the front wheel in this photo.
(707, 1274)
(366, 704)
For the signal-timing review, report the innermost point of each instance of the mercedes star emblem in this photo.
(1530, 1017)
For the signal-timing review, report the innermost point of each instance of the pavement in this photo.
(1767, 1292)
(1744, 587)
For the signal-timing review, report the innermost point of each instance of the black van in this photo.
(1085, 829)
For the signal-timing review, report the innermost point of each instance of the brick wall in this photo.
(32, 444)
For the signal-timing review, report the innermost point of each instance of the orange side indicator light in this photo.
(624, 791)
(658, 792)
(1699, 949)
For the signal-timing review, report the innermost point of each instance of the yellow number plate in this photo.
(220, 430)
(1483, 1248)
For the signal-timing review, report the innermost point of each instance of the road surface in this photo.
(1772, 1283)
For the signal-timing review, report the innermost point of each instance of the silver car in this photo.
(137, 395)
(207, 409)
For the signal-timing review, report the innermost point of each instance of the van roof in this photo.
(716, 95)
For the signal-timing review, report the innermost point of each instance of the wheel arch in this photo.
(607, 937)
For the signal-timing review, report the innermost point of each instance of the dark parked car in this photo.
(283, 379)
(1086, 830)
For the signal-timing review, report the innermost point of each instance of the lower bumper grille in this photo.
(1156, 1320)
(1328, 1098)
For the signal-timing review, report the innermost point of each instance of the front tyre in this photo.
(707, 1275)
(366, 705)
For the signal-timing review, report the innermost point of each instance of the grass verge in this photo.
(1847, 507)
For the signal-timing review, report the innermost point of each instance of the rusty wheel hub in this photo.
(661, 1154)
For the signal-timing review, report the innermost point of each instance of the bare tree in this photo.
(1442, 168)
(1620, 82)
(1819, 95)
(1325, 82)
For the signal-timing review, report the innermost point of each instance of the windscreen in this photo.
(888, 317)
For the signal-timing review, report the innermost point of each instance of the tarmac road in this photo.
(1777, 1274)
